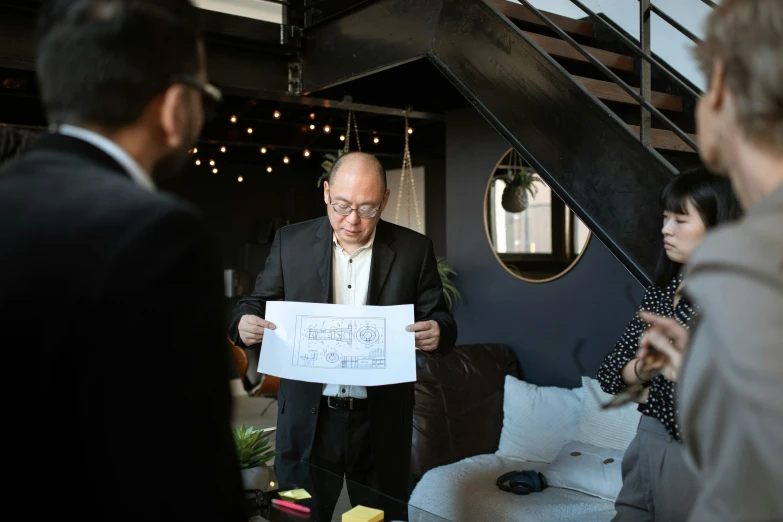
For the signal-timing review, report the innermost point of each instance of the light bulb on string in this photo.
(198, 162)
(269, 169)
(327, 129)
(250, 130)
(376, 140)
(263, 150)
(240, 179)
(306, 153)
(211, 163)
(286, 160)
(410, 130)
(312, 127)
(195, 150)
(214, 171)
(342, 137)
(223, 149)
(312, 115)
(276, 115)
(233, 119)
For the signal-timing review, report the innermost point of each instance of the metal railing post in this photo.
(645, 84)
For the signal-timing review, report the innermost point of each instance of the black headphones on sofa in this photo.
(522, 482)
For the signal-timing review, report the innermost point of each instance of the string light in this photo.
(276, 115)
(211, 163)
(223, 149)
(342, 137)
(233, 119)
(250, 130)
(194, 150)
(327, 129)
(240, 179)
(410, 130)
(306, 153)
(286, 160)
(376, 140)
(198, 162)
(214, 171)
(312, 115)
(269, 169)
(263, 150)
(312, 127)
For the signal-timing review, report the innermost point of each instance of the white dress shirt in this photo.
(117, 153)
(350, 286)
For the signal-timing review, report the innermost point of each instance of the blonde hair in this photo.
(746, 37)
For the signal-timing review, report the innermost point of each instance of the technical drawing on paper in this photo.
(340, 342)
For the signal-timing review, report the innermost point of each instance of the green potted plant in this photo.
(450, 291)
(254, 451)
(326, 165)
(519, 184)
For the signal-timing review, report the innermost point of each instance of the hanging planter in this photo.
(519, 185)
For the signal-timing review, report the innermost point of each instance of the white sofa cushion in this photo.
(537, 420)
(612, 428)
(587, 468)
(466, 492)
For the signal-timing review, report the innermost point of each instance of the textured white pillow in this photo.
(612, 428)
(587, 468)
(537, 420)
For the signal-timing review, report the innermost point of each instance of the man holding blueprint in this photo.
(351, 426)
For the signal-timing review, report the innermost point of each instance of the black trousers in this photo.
(342, 447)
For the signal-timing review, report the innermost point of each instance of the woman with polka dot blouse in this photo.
(657, 484)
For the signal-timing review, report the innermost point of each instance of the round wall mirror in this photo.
(532, 232)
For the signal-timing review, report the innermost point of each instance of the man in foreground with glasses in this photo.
(731, 392)
(349, 257)
(110, 294)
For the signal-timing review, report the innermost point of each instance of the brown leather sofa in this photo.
(459, 404)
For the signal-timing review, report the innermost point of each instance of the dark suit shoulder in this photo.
(400, 233)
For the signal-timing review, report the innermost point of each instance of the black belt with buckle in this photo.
(346, 403)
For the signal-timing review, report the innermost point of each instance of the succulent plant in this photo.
(253, 447)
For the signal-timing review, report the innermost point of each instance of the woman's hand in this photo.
(663, 345)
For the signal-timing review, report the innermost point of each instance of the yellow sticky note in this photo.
(295, 494)
(363, 514)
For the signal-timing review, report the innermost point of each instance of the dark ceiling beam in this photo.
(589, 157)
(311, 101)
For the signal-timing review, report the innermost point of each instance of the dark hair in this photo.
(14, 142)
(104, 61)
(713, 198)
(369, 157)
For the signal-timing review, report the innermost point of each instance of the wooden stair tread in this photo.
(523, 14)
(666, 139)
(612, 92)
(562, 49)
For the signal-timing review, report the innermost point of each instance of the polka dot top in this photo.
(662, 400)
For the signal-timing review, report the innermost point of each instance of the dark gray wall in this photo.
(540, 322)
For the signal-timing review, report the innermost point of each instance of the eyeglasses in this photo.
(345, 210)
(210, 95)
(632, 393)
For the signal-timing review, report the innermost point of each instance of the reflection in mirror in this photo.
(533, 233)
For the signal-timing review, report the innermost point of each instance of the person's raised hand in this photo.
(427, 335)
(251, 329)
(663, 345)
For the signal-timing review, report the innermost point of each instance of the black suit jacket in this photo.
(403, 271)
(110, 297)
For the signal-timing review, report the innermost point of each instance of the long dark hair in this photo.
(713, 198)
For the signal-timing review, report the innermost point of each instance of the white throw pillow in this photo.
(612, 428)
(587, 468)
(537, 420)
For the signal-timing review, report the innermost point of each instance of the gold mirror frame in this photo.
(492, 246)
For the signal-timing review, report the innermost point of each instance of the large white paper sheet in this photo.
(339, 344)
